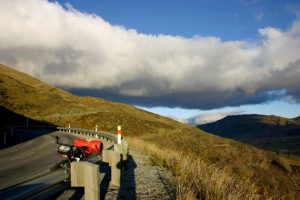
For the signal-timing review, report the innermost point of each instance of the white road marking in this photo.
(22, 156)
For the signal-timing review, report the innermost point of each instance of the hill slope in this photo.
(297, 119)
(270, 132)
(30, 97)
(207, 166)
(253, 126)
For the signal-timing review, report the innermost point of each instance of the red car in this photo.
(95, 146)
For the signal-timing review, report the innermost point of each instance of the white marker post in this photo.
(69, 128)
(96, 129)
(119, 134)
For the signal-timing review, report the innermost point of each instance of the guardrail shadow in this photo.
(127, 188)
(104, 185)
(78, 194)
(128, 184)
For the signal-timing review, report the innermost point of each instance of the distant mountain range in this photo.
(270, 132)
(253, 126)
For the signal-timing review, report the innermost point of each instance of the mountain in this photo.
(297, 119)
(206, 166)
(253, 126)
(270, 132)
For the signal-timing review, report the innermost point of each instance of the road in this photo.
(32, 158)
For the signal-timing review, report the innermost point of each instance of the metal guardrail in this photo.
(91, 133)
(53, 182)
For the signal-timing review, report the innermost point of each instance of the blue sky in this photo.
(176, 58)
(229, 20)
(280, 108)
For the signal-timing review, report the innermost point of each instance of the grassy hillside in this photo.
(253, 126)
(274, 133)
(206, 166)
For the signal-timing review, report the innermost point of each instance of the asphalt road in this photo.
(32, 158)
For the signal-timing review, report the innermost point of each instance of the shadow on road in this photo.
(16, 128)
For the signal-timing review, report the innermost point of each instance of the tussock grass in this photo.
(196, 179)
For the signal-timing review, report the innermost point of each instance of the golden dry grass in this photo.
(197, 179)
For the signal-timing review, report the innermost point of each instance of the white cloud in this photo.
(210, 117)
(71, 49)
(181, 120)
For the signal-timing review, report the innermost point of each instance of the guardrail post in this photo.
(113, 158)
(119, 135)
(85, 174)
(116, 169)
(124, 150)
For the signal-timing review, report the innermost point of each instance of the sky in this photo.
(196, 61)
